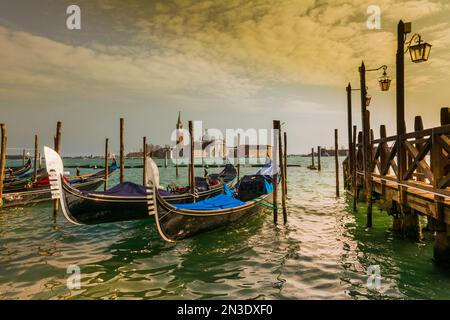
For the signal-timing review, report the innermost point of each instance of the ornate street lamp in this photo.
(420, 51)
(384, 81)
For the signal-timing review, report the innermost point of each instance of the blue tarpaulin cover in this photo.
(221, 201)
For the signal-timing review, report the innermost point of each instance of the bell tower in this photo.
(179, 128)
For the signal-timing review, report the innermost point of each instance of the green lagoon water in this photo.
(322, 253)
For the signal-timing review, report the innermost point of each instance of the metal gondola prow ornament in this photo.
(151, 185)
(55, 171)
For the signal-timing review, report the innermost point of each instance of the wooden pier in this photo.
(409, 175)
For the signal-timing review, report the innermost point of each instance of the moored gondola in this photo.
(12, 172)
(40, 191)
(125, 201)
(175, 222)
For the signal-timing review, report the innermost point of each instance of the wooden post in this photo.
(418, 126)
(122, 152)
(106, 164)
(224, 147)
(353, 168)
(383, 158)
(144, 159)
(319, 165)
(238, 157)
(57, 149)
(2, 161)
(276, 132)
(400, 111)
(283, 182)
(165, 158)
(312, 158)
(192, 162)
(368, 174)
(58, 137)
(36, 155)
(176, 160)
(365, 130)
(285, 163)
(336, 160)
(257, 153)
(441, 246)
(349, 125)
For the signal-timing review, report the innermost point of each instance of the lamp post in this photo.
(384, 82)
(419, 52)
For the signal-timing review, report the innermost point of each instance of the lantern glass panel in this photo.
(420, 52)
(385, 83)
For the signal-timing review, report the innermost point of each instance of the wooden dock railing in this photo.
(421, 187)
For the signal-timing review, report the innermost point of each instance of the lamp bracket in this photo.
(384, 67)
(408, 43)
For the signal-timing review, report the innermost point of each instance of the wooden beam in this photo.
(122, 152)
(2, 161)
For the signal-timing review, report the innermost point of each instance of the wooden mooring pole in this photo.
(106, 164)
(238, 156)
(192, 162)
(276, 132)
(57, 139)
(122, 152)
(369, 168)
(312, 159)
(36, 155)
(319, 165)
(336, 160)
(353, 168)
(2, 161)
(441, 245)
(165, 158)
(282, 171)
(285, 163)
(144, 159)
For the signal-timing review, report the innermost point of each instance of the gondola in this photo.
(125, 201)
(23, 180)
(12, 172)
(178, 221)
(40, 191)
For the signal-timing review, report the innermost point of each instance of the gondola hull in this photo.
(17, 171)
(82, 208)
(42, 194)
(175, 224)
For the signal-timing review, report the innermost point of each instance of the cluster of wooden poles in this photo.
(278, 145)
(336, 160)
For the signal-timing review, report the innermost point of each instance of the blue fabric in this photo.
(268, 186)
(268, 169)
(229, 192)
(222, 201)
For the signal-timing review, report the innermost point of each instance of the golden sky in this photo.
(229, 63)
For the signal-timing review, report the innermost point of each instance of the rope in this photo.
(264, 203)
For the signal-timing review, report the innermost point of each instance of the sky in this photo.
(231, 64)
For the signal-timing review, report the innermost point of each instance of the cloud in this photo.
(38, 64)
